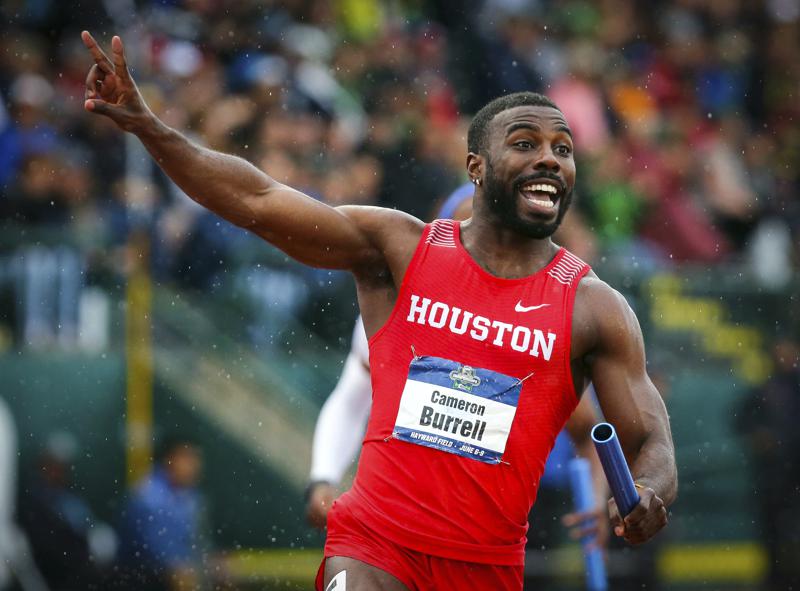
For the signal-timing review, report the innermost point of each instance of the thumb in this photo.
(102, 108)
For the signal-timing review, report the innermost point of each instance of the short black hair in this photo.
(169, 443)
(476, 136)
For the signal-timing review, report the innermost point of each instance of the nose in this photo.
(546, 160)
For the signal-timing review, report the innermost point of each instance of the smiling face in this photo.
(527, 171)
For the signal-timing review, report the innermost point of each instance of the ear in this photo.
(475, 166)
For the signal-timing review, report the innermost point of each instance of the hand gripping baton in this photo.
(615, 467)
(580, 479)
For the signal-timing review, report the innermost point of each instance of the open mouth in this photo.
(542, 194)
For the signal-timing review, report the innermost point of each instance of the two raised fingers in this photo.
(118, 66)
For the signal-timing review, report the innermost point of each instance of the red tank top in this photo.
(472, 383)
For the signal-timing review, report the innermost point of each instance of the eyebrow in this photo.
(521, 125)
(534, 127)
(565, 129)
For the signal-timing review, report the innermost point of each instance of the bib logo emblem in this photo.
(464, 378)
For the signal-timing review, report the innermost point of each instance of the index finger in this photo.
(100, 58)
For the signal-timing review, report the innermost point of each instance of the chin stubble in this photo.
(502, 205)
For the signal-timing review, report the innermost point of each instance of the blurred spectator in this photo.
(162, 526)
(47, 275)
(17, 566)
(53, 220)
(8, 485)
(578, 92)
(31, 96)
(768, 422)
(35, 199)
(73, 549)
(9, 148)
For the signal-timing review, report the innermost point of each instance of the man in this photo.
(161, 526)
(342, 420)
(479, 334)
(72, 548)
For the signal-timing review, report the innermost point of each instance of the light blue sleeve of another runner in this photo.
(455, 199)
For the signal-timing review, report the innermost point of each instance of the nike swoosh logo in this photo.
(340, 578)
(520, 308)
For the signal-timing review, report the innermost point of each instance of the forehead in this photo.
(546, 118)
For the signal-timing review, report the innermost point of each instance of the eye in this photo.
(523, 144)
(563, 150)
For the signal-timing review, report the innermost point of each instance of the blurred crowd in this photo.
(685, 115)
(51, 540)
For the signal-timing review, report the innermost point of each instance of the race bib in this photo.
(463, 410)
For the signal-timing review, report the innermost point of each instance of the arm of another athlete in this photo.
(301, 226)
(630, 401)
(594, 522)
(337, 435)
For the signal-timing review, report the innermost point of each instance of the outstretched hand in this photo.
(110, 90)
(592, 524)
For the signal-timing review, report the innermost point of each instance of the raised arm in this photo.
(631, 403)
(304, 228)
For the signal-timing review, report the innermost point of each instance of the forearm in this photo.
(304, 228)
(654, 467)
(225, 184)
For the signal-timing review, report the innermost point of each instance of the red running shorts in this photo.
(348, 537)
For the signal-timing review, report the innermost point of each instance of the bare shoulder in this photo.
(602, 317)
(597, 295)
(382, 223)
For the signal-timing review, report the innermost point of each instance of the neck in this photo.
(504, 253)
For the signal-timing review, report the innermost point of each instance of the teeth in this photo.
(543, 188)
(542, 202)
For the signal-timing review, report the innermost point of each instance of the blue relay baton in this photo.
(616, 468)
(580, 479)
